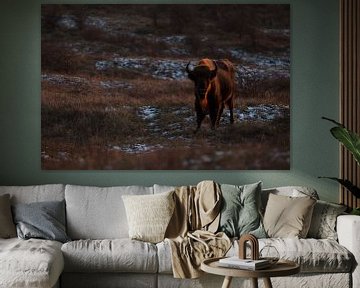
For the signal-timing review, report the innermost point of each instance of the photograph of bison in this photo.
(165, 86)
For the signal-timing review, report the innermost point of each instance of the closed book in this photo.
(236, 262)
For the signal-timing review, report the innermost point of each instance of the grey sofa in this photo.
(101, 254)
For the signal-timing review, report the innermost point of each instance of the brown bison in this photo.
(214, 87)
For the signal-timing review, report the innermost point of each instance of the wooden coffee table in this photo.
(281, 268)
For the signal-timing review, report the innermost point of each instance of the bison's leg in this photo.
(199, 116)
(219, 113)
(231, 107)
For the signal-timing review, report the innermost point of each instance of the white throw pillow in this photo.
(149, 215)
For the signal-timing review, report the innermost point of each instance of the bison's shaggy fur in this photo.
(214, 88)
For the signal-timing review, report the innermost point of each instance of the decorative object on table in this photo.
(269, 253)
(254, 246)
(241, 261)
(351, 142)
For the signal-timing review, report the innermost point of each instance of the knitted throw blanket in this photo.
(191, 232)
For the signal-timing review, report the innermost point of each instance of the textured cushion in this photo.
(36, 193)
(7, 227)
(30, 263)
(287, 216)
(149, 215)
(240, 210)
(98, 213)
(44, 220)
(117, 255)
(323, 223)
(313, 255)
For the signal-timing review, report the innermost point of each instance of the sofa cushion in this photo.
(7, 227)
(36, 193)
(287, 216)
(43, 220)
(98, 213)
(323, 222)
(313, 255)
(240, 210)
(30, 263)
(149, 215)
(116, 255)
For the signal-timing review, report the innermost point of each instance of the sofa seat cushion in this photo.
(30, 263)
(110, 255)
(313, 255)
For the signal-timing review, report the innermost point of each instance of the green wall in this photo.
(314, 93)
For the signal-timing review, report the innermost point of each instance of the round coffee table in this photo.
(281, 268)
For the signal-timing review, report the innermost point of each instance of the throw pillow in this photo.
(7, 227)
(323, 222)
(149, 215)
(288, 217)
(44, 220)
(240, 213)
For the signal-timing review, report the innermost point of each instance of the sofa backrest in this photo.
(36, 193)
(98, 212)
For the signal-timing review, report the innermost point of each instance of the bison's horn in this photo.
(213, 72)
(187, 68)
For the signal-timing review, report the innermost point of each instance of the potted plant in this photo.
(351, 141)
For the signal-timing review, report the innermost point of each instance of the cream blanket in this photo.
(191, 231)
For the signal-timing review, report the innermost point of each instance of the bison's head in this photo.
(202, 76)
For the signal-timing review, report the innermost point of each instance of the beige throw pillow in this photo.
(7, 226)
(149, 215)
(288, 217)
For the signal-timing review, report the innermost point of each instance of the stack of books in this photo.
(248, 264)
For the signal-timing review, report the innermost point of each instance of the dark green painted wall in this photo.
(314, 93)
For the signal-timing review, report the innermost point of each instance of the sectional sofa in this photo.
(100, 253)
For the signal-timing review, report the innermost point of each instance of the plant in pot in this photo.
(351, 142)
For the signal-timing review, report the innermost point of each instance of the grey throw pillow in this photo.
(44, 220)
(323, 222)
(7, 227)
(240, 213)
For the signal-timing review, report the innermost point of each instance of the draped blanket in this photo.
(191, 231)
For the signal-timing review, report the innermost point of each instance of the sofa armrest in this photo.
(348, 230)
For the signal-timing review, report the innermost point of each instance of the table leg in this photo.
(227, 282)
(254, 282)
(267, 283)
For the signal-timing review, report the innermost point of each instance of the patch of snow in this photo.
(115, 85)
(148, 112)
(97, 22)
(159, 68)
(260, 113)
(137, 148)
(67, 22)
(59, 79)
(104, 65)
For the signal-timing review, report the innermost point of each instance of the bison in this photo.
(214, 87)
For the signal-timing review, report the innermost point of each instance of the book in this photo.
(236, 262)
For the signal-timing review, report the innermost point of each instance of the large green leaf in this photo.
(348, 138)
(348, 185)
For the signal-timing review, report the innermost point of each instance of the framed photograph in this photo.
(160, 87)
